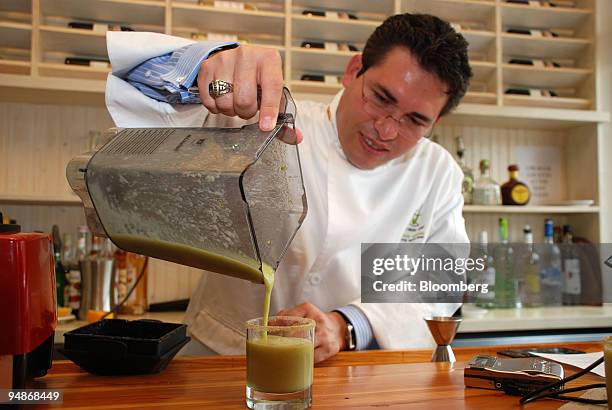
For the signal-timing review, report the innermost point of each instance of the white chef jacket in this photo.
(346, 207)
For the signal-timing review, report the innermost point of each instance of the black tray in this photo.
(114, 363)
(124, 337)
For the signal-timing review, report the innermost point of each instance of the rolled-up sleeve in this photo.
(170, 77)
(364, 336)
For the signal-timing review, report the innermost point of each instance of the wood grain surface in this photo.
(353, 380)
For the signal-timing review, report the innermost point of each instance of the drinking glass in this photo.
(280, 363)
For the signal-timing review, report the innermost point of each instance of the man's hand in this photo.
(247, 67)
(330, 331)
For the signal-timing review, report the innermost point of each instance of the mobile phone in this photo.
(529, 352)
(512, 376)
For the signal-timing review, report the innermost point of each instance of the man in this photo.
(369, 173)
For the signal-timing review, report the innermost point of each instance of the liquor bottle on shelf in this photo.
(531, 289)
(557, 234)
(514, 192)
(60, 270)
(121, 281)
(468, 176)
(136, 303)
(486, 300)
(68, 249)
(550, 268)
(486, 191)
(68, 261)
(74, 275)
(96, 246)
(505, 280)
(572, 286)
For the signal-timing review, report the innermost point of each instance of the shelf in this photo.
(455, 10)
(298, 86)
(543, 47)
(380, 6)
(533, 209)
(549, 77)
(547, 102)
(540, 318)
(543, 17)
(317, 60)
(75, 41)
(259, 39)
(480, 41)
(478, 97)
(529, 118)
(39, 199)
(22, 88)
(482, 70)
(110, 11)
(207, 18)
(73, 71)
(15, 67)
(15, 35)
(343, 31)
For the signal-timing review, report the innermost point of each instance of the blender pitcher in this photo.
(202, 197)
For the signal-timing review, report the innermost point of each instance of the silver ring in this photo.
(219, 88)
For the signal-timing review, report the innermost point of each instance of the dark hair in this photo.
(438, 48)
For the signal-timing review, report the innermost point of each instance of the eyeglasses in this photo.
(378, 106)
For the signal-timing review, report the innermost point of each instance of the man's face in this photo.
(385, 111)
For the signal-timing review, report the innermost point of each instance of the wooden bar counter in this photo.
(389, 379)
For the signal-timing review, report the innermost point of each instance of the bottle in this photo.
(486, 191)
(572, 286)
(136, 303)
(96, 246)
(468, 176)
(60, 270)
(531, 290)
(550, 268)
(74, 275)
(514, 192)
(505, 283)
(68, 250)
(486, 300)
(68, 261)
(121, 278)
(557, 234)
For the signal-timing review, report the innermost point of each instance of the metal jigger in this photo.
(443, 329)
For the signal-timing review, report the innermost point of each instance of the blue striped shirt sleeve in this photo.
(169, 77)
(364, 336)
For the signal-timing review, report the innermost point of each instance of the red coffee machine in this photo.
(27, 305)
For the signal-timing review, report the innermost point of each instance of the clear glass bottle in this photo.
(121, 277)
(572, 285)
(83, 242)
(468, 175)
(550, 268)
(531, 290)
(83, 248)
(486, 300)
(486, 191)
(96, 247)
(505, 281)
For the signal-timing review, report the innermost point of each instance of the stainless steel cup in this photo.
(97, 279)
